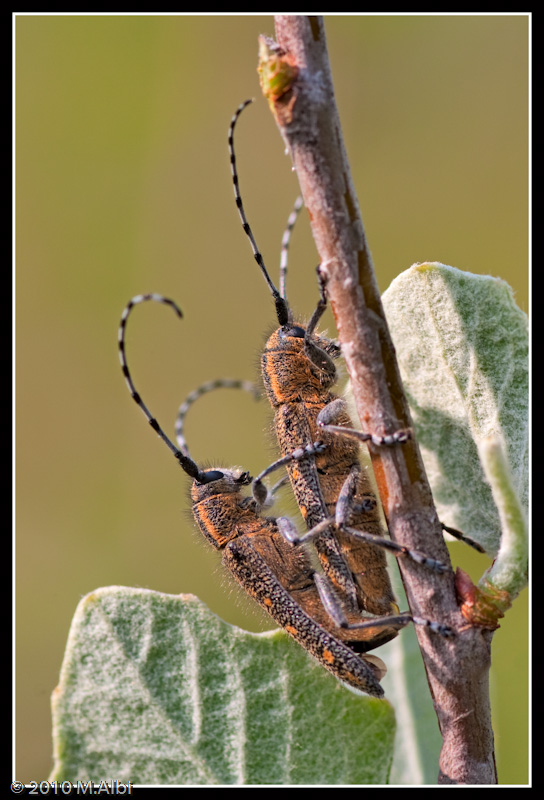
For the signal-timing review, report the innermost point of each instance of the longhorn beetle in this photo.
(276, 573)
(333, 492)
(330, 600)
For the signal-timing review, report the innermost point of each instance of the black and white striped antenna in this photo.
(186, 462)
(282, 309)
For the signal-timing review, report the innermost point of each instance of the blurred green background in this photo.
(123, 187)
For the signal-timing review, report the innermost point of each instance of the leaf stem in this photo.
(508, 572)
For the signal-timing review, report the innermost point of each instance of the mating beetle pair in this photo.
(328, 588)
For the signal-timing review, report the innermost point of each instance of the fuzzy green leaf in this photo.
(462, 347)
(418, 741)
(156, 689)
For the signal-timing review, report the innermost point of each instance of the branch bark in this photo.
(302, 100)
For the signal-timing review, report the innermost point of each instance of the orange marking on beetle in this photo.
(327, 656)
(290, 629)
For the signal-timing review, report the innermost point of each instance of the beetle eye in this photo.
(293, 330)
(211, 476)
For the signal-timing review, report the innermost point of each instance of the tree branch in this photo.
(301, 95)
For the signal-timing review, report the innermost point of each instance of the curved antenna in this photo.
(285, 242)
(282, 310)
(187, 464)
(210, 386)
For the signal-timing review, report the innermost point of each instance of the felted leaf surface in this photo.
(156, 689)
(462, 346)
